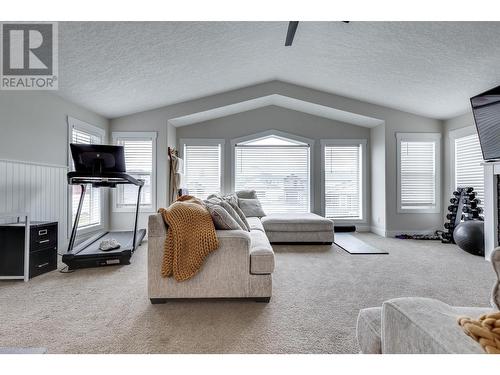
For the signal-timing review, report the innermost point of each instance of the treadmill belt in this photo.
(124, 238)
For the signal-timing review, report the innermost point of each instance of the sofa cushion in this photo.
(296, 222)
(368, 330)
(418, 325)
(251, 207)
(255, 224)
(320, 237)
(246, 194)
(261, 254)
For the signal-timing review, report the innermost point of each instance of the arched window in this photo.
(278, 168)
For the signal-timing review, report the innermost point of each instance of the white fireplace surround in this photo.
(491, 173)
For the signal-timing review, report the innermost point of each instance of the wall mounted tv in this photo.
(486, 110)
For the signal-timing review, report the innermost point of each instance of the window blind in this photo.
(418, 174)
(91, 209)
(139, 164)
(202, 168)
(343, 189)
(279, 174)
(468, 169)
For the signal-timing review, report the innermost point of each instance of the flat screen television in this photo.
(486, 110)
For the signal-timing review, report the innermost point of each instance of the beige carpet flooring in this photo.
(318, 291)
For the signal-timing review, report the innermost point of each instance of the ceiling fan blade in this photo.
(292, 27)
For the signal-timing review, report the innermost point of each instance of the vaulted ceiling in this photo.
(426, 68)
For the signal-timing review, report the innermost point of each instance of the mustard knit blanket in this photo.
(190, 238)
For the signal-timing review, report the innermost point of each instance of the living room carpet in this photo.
(317, 293)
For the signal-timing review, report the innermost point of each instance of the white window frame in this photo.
(279, 134)
(74, 123)
(364, 191)
(423, 137)
(138, 135)
(207, 142)
(453, 136)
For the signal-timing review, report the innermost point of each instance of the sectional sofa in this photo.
(243, 264)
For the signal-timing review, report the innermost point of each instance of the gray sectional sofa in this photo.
(243, 264)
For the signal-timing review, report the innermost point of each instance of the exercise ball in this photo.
(469, 236)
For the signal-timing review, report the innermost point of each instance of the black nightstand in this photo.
(42, 249)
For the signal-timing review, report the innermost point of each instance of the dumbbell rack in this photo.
(464, 206)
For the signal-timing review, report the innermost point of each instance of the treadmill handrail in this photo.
(77, 178)
(109, 179)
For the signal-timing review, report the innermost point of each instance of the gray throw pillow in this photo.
(251, 207)
(221, 218)
(230, 210)
(232, 199)
(246, 194)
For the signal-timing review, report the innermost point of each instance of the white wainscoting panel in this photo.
(38, 189)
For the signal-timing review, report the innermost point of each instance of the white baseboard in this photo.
(362, 228)
(379, 231)
(393, 233)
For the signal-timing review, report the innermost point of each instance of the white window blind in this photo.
(343, 181)
(203, 169)
(91, 209)
(418, 174)
(468, 169)
(139, 161)
(278, 169)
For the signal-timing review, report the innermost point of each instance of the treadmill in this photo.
(101, 166)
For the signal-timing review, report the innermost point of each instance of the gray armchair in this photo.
(416, 325)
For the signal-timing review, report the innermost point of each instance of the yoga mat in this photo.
(354, 245)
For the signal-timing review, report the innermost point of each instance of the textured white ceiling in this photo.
(427, 68)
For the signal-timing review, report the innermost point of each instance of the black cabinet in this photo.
(43, 248)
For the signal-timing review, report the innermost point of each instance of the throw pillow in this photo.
(220, 217)
(246, 194)
(251, 207)
(230, 210)
(232, 199)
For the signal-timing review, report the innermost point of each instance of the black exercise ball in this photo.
(469, 236)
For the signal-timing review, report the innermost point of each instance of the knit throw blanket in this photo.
(190, 238)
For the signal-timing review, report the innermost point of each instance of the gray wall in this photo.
(378, 203)
(285, 120)
(35, 128)
(395, 121)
